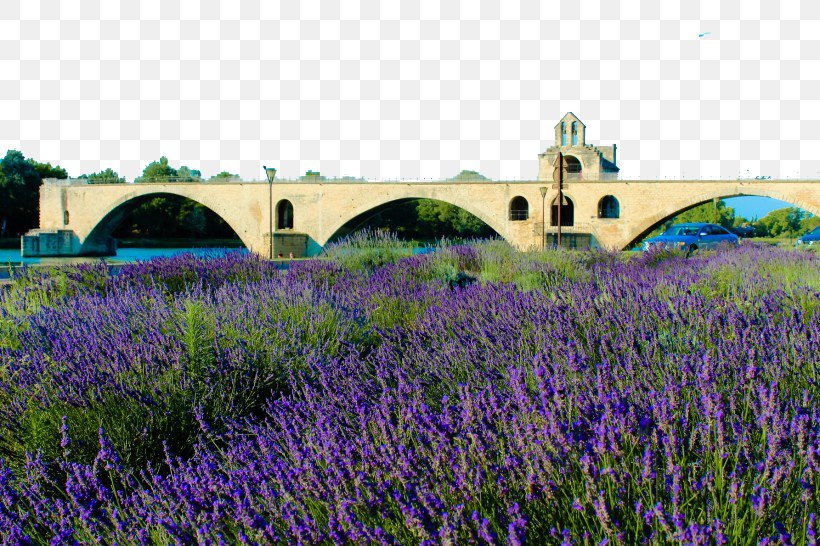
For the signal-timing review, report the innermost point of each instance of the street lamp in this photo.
(543, 217)
(270, 173)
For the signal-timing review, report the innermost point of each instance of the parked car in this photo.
(744, 232)
(692, 237)
(810, 238)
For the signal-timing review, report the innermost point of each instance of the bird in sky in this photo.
(703, 34)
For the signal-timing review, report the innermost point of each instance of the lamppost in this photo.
(543, 217)
(270, 173)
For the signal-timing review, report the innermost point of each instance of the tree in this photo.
(313, 176)
(158, 170)
(224, 175)
(184, 174)
(786, 222)
(710, 213)
(192, 219)
(809, 223)
(45, 170)
(108, 176)
(441, 217)
(469, 175)
(20, 181)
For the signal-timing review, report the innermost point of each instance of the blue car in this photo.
(810, 238)
(692, 237)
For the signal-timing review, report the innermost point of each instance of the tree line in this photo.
(154, 217)
(169, 216)
(786, 222)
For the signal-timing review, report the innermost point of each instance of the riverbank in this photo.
(180, 243)
(9, 269)
(188, 242)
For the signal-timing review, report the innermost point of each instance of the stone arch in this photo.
(364, 211)
(519, 209)
(114, 213)
(609, 207)
(679, 206)
(572, 164)
(284, 214)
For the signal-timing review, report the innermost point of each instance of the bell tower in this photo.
(583, 161)
(570, 131)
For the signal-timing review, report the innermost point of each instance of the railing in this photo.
(183, 180)
(577, 227)
(581, 176)
(519, 214)
(568, 177)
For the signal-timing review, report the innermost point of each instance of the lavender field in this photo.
(475, 395)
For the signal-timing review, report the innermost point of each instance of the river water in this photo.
(124, 255)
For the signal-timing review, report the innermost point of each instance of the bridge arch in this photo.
(650, 223)
(361, 214)
(117, 210)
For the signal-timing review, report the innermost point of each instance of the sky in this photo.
(695, 89)
(754, 207)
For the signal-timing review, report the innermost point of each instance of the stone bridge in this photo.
(77, 218)
(80, 217)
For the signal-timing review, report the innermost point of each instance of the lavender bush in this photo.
(473, 395)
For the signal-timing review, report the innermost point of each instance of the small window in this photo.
(608, 207)
(574, 133)
(284, 215)
(519, 209)
(563, 134)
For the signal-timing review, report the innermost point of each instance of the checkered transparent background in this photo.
(421, 89)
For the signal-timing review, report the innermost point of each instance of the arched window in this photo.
(284, 215)
(519, 209)
(567, 212)
(608, 207)
(574, 133)
(563, 134)
(572, 163)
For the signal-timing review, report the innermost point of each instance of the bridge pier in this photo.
(39, 243)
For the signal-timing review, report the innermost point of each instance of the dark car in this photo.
(743, 231)
(692, 237)
(810, 238)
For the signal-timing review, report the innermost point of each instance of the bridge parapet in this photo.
(568, 177)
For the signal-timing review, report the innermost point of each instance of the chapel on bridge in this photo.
(583, 161)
